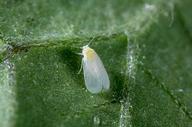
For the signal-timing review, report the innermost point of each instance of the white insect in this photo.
(95, 75)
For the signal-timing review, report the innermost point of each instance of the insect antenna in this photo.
(90, 41)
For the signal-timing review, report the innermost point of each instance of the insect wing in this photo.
(95, 75)
(103, 76)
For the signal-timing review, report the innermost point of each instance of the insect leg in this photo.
(79, 54)
(80, 67)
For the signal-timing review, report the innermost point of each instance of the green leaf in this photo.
(145, 47)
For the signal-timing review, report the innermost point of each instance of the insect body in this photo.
(95, 75)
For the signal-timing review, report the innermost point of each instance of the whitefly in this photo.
(95, 75)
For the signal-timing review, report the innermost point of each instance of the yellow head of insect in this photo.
(88, 53)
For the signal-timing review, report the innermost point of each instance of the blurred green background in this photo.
(145, 45)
